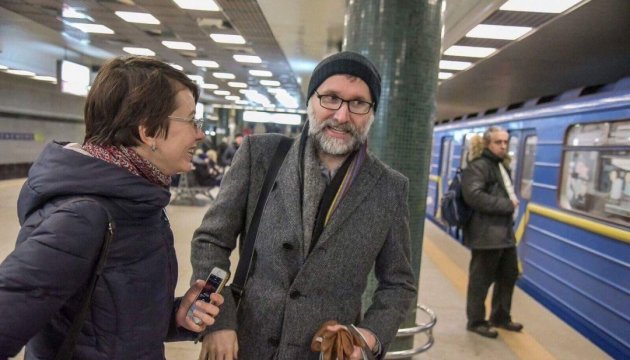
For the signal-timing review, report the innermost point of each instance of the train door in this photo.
(522, 150)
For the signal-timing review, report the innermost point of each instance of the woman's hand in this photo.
(219, 345)
(204, 311)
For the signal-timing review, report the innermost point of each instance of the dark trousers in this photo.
(498, 266)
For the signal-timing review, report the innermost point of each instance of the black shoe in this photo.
(484, 330)
(511, 326)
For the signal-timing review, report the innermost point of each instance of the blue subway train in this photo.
(571, 168)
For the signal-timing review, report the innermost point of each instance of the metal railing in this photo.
(425, 328)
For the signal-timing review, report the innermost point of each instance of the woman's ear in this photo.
(145, 138)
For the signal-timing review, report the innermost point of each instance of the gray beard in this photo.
(334, 146)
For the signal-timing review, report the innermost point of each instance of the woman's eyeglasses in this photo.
(197, 123)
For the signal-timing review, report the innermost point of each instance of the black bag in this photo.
(455, 211)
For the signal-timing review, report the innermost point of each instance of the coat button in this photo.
(273, 341)
(287, 246)
(295, 294)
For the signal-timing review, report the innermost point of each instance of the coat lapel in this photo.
(288, 190)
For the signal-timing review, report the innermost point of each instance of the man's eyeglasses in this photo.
(197, 123)
(334, 102)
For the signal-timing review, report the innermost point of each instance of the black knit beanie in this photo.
(350, 63)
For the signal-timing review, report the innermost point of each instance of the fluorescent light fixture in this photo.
(242, 102)
(269, 82)
(137, 17)
(227, 39)
(221, 92)
(206, 63)
(444, 75)
(469, 51)
(199, 110)
(179, 45)
(539, 6)
(232, 97)
(209, 86)
(201, 5)
(222, 75)
(500, 32)
(196, 78)
(262, 73)
(265, 117)
(20, 72)
(75, 78)
(92, 28)
(51, 79)
(250, 59)
(454, 65)
(286, 100)
(178, 67)
(72, 13)
(138, 51)
(257, 97)
(236, 84)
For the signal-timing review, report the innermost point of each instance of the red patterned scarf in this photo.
(127, 158)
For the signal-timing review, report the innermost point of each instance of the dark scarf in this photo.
(336, 190)
(128, 159)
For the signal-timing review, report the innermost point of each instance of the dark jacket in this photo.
(491, 225)
(43, 280)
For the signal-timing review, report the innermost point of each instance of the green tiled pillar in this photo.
(402, 38)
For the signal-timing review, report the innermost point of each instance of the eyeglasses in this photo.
(197, 123)
(334, 102)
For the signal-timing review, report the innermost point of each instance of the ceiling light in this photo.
(222, 75)
(251, 59)
(45, 78)
(72, 13)
(228, 39)
(242, 102)
(270, 82)
(206, 63)
(2, 67)
(263, 73)
(178, 67)
(236, 84)
(20, 72)
(221, 92)
(500, 32)
(196, 78)
(202, 5)
(210, 86)
(469, 51)
(179, 45)
(444, 75)
(233, 97)
(139, 51)
(137, 17)
(92, 28)
(541, 6)
(454, 65)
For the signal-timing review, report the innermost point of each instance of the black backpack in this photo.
(455, 211)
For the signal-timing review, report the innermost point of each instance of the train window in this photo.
(446, 156)
(596, 171)
(513, 152)
(528, 167)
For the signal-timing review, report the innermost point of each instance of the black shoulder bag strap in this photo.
(247, 252)
(67, 347)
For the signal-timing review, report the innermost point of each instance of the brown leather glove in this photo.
(336, 345)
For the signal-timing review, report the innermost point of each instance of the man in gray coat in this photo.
(334, 213)
(488, 190)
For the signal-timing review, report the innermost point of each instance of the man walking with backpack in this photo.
(487, 188)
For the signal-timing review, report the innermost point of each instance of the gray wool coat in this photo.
(289, 295)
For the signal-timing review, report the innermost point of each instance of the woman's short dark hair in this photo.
(131, 91)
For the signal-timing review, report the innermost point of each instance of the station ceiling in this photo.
(586, 45)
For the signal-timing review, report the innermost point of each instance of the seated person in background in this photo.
(139, 131)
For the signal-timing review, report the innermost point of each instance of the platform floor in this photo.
(442, 287)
